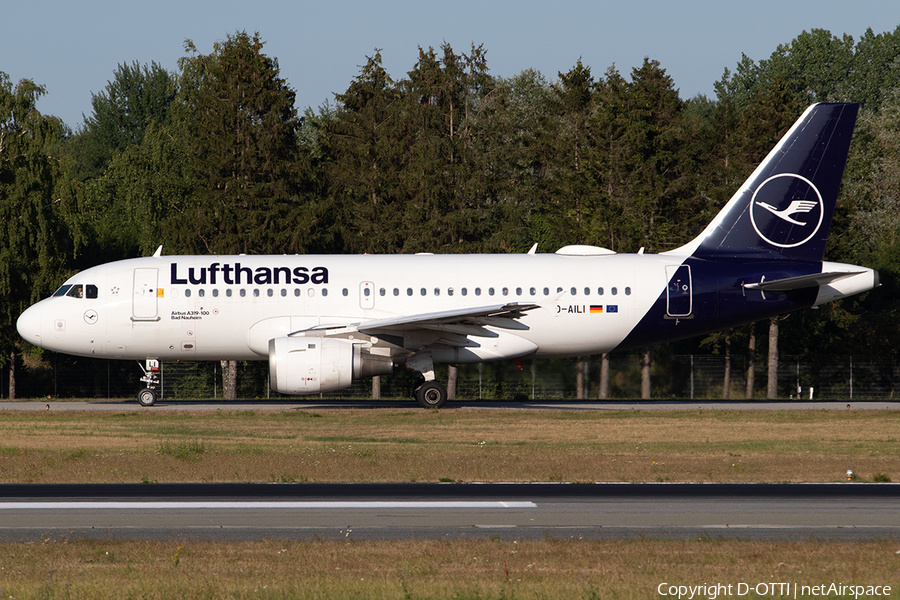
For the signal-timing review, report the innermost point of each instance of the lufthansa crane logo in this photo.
(787, 210)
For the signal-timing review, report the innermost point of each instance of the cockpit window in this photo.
(77, 291)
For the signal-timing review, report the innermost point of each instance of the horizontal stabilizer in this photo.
(799, 283)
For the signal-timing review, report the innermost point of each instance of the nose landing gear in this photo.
(149, 395)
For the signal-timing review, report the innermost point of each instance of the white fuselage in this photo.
(230, 307)
(588, 304)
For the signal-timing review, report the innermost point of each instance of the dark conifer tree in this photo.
(364, 155)
(239, 124)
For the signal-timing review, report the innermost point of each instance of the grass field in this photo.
(460, 569)
(459, 445)
(375, 445)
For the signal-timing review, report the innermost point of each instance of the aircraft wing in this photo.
(458, 323)
(498, 315)
(801, 282)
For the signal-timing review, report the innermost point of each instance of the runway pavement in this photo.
(405, 511)
(234, 512)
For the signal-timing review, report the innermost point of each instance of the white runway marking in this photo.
(202, 505)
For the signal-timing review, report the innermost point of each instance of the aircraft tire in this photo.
(147, 397)
(431, 394)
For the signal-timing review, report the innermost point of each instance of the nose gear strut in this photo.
(149, 395)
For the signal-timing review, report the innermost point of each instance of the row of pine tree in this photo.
(217, 158)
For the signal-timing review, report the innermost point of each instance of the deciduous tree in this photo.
(34, 245)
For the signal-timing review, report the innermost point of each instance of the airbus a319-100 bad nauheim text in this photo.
(324, 321)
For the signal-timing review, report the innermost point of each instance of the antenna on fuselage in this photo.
(158, 252)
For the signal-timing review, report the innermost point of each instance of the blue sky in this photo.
(73, 48)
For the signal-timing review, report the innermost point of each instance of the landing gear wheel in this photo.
(431, 394)
(147, 397)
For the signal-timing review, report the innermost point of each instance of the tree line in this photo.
(217, 158)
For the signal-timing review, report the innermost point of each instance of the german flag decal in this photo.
(596, 309)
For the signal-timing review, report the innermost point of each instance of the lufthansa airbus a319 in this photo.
(322, 322)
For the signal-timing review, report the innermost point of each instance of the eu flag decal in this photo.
(596, 309)
(612, 308)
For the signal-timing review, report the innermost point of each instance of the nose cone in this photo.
(29, 325)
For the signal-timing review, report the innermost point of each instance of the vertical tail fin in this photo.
(784, 209)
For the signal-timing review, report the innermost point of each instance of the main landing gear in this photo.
(429, 394)
(149, 395)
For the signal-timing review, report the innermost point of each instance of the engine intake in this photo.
(303, 365)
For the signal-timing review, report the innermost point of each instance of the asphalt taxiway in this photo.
(325, 404)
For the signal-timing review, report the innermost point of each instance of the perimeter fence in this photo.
(684, 377)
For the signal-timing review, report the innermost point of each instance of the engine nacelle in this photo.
(306, 365)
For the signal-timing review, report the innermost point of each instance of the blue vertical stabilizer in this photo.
(784, 209)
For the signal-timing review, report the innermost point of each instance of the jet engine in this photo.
(308, 365)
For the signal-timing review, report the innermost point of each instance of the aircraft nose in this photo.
(29, 325)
